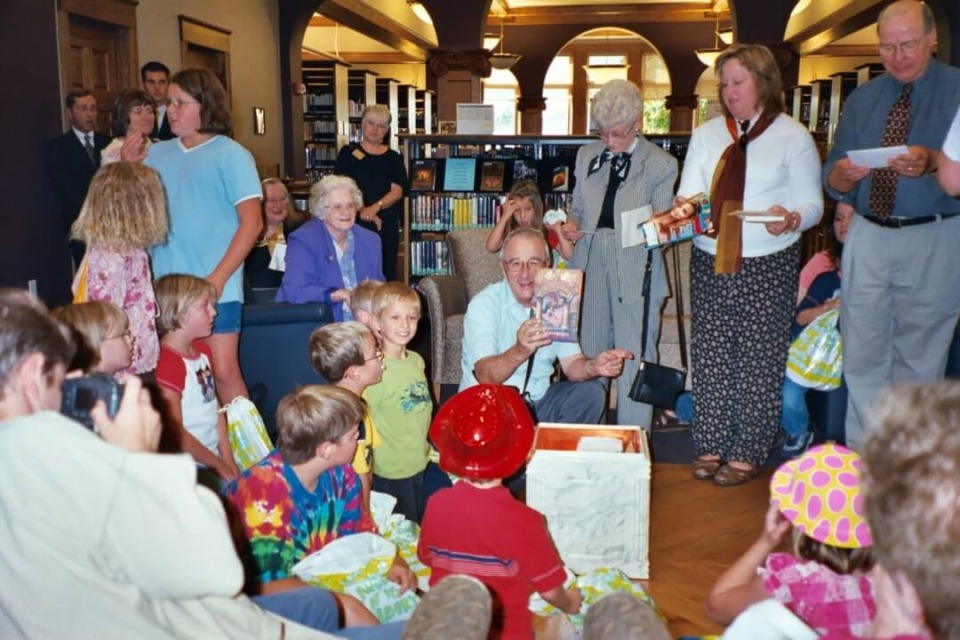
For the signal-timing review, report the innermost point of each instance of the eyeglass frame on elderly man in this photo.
(907, 48)
(516, 265)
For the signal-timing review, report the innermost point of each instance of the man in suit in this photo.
(71, 160)
(155, 77)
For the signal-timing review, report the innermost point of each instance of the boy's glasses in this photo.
(377, 355)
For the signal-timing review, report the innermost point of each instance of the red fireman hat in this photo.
(484, 432)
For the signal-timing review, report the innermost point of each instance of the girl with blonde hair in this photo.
(123, 216)
(102, 333)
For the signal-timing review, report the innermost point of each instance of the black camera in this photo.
(80, 394)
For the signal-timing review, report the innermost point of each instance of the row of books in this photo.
(429, 258)
(552, 175)
(443, 212)
(317, 101)
(314, 128)
(317, 153)
(355, 108)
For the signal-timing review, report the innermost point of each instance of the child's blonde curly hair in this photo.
(125, 209)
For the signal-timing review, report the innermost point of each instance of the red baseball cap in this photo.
(483, 432)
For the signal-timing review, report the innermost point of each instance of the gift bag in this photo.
(357, 565)
(816, 356)
(248, 437)
(80, 282)
(594, 585)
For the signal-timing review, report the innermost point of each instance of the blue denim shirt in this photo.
(933, 104)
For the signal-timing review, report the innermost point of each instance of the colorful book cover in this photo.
(680, 223)
(491, 176)
(459, 174)
(424, 175)
(561, 178)
(556, 302)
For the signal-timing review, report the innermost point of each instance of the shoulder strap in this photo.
(677, 295)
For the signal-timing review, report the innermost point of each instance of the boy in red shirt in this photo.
(476, 527)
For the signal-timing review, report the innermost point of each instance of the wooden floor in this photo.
(697, 530)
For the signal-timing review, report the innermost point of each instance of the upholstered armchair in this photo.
(447, 298)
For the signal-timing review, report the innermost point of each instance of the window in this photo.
(500, 90)
(556, 89)
(656, 88)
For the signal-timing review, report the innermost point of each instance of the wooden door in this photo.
(92, 63)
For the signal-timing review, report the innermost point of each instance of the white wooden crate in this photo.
(597, 505)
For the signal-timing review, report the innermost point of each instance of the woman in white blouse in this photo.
(756, 160)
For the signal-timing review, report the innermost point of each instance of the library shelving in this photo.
(325, 115)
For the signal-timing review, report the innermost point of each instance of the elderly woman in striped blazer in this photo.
(621, 172)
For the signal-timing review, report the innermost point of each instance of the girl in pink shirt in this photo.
(124, 214)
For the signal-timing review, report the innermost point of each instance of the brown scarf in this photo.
(726, 194)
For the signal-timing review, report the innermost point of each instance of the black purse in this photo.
(656, 384)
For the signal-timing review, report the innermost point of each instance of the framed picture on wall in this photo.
(259, 121)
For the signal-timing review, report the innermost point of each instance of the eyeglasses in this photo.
(177, 103)
(622, 134)
(341, 208)
(125, 334)
(907, 48)
(516, 265)
(377, 355)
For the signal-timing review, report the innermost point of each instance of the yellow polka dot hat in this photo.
(819, 493)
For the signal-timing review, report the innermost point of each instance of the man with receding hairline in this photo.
(900, 302)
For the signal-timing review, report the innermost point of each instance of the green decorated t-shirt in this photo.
(401, 407)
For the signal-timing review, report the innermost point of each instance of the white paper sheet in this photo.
(875, 158)
(278, 261)
(757, 216)
(632, 226)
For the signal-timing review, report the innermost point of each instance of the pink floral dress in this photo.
(124, 279)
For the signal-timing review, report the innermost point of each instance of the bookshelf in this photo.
(325, 115)
(448, 195)
(387, 90)
(361, 93)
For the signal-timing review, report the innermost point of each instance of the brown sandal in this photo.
(727, 476)
(705, 468)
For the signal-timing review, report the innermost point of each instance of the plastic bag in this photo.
(816, 356)
(357, 565)
(594, 585)
(248, 437)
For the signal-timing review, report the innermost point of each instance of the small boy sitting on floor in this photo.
(305, 494)
(485, 434)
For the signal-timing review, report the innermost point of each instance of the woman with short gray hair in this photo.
(328, 256)
(621, 172)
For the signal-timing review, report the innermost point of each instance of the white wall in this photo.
(254, 59)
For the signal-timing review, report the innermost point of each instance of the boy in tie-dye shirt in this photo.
(305, 494)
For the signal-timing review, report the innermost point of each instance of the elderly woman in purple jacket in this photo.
(328, 256)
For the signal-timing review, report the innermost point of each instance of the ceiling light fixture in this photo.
(603, 72)
(501, 60)
(709, 56)
(726, 36)
(420, 11)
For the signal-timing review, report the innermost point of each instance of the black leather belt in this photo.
(899, 223)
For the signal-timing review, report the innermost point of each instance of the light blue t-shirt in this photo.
(490, 328)
(204, 185)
